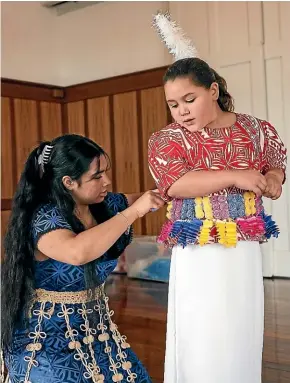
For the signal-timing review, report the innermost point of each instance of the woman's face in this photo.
(191, 106)
(93, 185)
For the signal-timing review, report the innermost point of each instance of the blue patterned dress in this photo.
(61, 345)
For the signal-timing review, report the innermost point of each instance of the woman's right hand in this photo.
(251, 180)
(148, 201)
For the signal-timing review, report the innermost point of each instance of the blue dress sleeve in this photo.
(47, 218)
(116, 202)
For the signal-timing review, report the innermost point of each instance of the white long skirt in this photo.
(215, 317)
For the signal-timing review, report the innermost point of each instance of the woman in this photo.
(212, 166)
(65, 235)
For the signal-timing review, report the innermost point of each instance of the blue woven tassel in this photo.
(271, 227)
(190, 209)
(187, 210)
(176, 229)
(184, 210)
(192, 230)
(186, 232)
(182, 239)
(236, 206)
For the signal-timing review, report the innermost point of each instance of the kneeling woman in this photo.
(63, 240)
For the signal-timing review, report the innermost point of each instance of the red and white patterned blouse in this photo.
(250, 143)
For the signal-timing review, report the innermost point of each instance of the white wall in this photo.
(276, 17)
(110, 39)
(29, 44)
(100, 41)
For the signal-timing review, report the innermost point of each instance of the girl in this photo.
(64, 238)
(212, 166)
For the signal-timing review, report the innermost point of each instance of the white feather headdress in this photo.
(174, 38)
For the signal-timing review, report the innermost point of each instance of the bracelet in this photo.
(127, 232)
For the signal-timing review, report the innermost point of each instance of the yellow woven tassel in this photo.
(207, 208)
(198, 208)
(231, 234)
(221, 229)
(169, 209)
(205, 232)
(227, 233)
(250, 208)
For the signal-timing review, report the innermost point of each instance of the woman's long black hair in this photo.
(71, 155)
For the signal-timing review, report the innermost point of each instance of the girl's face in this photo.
(191, 106)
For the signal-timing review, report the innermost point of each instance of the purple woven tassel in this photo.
(178, 208)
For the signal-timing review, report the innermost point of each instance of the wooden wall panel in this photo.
(118, 113)
(120, 84)
(126, 146)
(7, 160)
(26, 130)
(31, 91)
(126, 142)
(76, 117)
(99, 122)
(153, 118)
(99, 125)
(50, 120)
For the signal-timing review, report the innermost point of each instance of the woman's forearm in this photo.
(132, 197)
(88, 245)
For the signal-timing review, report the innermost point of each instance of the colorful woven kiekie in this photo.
(224, 219)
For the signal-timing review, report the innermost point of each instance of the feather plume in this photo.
(174, 38)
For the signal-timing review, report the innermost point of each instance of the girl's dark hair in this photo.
(71, 155)
(202, 75)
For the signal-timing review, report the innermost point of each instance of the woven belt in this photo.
(68, 297)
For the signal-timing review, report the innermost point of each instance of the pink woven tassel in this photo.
(165, 231)
(253, 227)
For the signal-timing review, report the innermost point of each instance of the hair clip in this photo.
(43, 158)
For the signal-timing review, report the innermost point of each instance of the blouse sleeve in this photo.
(167, 162)
(275, 152)
(47, 218)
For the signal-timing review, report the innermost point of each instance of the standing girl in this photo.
(213, 166)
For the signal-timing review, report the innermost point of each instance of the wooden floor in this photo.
(140, 312)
